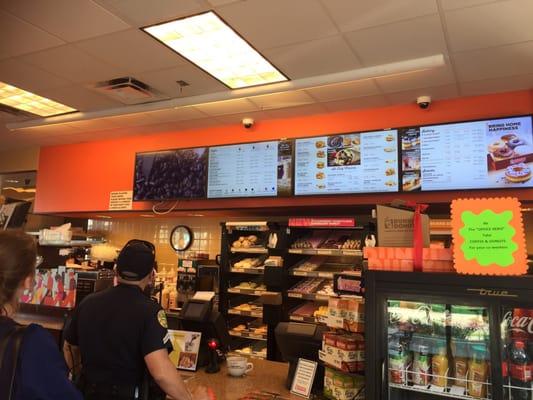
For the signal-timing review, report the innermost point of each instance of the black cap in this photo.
(136, 260)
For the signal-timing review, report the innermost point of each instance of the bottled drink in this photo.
(460, 364)
(505, 373)
(421, 366)
(478, 373)
(439, 366)
(520, 372)
(397, 362)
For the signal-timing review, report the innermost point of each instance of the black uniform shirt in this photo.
(115, 329)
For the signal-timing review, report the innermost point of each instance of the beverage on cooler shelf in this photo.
(439, 365)
(478, 371)
(421, 366)
(520, 324)
(460, 363)
(505, 373)
(398, 361)
(520, 372)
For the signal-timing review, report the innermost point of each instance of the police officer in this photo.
(118, 333)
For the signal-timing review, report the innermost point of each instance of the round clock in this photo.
(181, 238)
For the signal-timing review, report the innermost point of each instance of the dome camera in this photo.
(248, 122)
(423, 102)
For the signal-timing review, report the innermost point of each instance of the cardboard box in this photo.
(395, 227)
(401, 259)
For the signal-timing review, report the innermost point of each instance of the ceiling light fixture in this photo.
(23, 100)
(211, 44)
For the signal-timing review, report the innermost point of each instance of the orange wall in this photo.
(79, 177)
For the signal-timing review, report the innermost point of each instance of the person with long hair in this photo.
(31, 366)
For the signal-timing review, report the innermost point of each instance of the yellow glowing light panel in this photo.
(26, 101)
(216, 48)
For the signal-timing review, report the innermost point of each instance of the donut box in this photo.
(401, 259)
(524, 155)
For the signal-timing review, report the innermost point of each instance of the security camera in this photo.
(248, 122)
(423, 102)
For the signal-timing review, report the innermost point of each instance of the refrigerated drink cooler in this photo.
(431, 336)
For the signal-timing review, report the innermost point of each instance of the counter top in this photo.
(47, 322)
(268, 376)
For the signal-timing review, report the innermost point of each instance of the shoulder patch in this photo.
(162, 318)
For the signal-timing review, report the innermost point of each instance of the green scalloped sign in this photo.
(488, 238)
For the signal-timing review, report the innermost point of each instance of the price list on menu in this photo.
(245, 170)
(453, 156)
(347, 163)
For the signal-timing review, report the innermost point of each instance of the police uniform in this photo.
(114, 330)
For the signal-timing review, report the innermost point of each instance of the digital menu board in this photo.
(347, 163)
(485, 154)
(169, 175)
(250, 170)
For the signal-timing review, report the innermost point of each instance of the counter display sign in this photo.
(486, 154)
(172, 174)
(347, 163)
(488, 236)
(260, 169)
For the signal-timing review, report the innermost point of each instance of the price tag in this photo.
(304, 378)
(296, 251)
(300, 273)
(296, 295)
(325, 275)
(297, 318)
(324, 252)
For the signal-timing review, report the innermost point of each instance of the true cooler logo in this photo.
(522, 323)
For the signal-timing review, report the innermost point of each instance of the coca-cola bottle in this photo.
(520, 372)
(505, 372)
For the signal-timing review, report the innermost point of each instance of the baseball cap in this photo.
(136, 260)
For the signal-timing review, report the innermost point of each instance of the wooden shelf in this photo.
(252, 271)
(309, 296)
(255, 314)
(249, 292)
(249, 250)
(248, 335)
(328, 252)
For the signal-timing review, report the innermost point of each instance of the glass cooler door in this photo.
(437, 350)
(517, 353)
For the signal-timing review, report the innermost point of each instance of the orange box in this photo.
(401, 259)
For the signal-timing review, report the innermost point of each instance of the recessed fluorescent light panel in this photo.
(207, 41)
(26, 101)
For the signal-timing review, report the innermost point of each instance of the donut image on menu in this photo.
(518, 173)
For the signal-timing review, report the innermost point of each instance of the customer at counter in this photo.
(31, 366)
(118, 333)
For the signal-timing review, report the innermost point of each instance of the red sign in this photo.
(322, 222)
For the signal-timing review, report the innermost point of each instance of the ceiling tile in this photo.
(415, 80)
(176, 114)
(350, 15)
(28, 77)
(507, 84)
(19, 37)
(455, 4)
(80, 98)
(494, 24)
(341, 91)
(516, 59)
(399, 41)
(92, 125)
(436, 93)
(140, 13)
(218, 3)
(71, 63)
(273, 23)
(353, 104)
(316, 57)
(199, 124)
(298, 111)
(165, 81)
(131, 50)
(66, 19)
(258, 116)
(281, 100)
(227, 107)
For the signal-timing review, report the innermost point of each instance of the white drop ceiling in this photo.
(61, 48)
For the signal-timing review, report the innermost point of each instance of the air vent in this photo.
(128, 90)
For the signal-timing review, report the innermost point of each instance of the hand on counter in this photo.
(203, 393)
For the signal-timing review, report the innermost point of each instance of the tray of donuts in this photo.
(510, 149)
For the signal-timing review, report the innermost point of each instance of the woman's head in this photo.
(18, 253)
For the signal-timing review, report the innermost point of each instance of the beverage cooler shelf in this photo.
(453, 392)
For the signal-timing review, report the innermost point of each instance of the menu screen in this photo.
(172, 174)
(471, 155)
(250, 170)
(347, 163)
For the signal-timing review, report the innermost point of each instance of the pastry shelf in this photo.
(250, 292)
(250, 250)
(253, 354)
(255, 314)
(253, 271)
(248, 335)
(327, 252)
(319, 274)
(309, 296)
(309, 320)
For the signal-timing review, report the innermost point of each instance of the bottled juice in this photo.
(478, 373)
(460, 364)
(439, 366)
(421, 366)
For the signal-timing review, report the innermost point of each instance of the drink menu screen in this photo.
(472, 155)
(347, 163)
(250, 170)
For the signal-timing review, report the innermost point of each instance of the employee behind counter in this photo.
(118, 334)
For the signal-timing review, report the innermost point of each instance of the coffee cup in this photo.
(238, 366)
